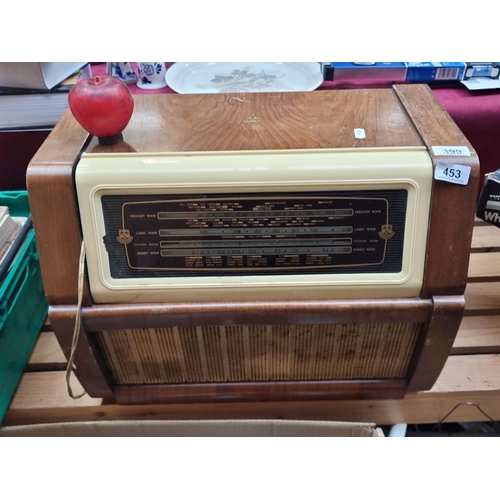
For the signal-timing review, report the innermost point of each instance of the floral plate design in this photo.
(213, 78)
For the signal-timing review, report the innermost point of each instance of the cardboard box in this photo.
(434, 71)
(374, 71)
(36, 75)
(482, 70)
(197, 428)
(488, 206)
(393, 71)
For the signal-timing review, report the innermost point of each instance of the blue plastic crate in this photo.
(23, 306)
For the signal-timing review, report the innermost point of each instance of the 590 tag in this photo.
(456, 174)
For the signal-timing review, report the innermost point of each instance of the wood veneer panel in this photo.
(438, 341)
(300, 392)
(89, 364)
(446, 264)
(54, 209)
(281, 120)
(108, 317)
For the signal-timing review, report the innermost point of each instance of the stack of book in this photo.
(9, 229)
(35, 95)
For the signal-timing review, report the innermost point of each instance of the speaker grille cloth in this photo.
(258, 353)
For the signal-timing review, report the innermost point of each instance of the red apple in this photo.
(103, 106)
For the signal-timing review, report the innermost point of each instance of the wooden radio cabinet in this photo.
(258, 247)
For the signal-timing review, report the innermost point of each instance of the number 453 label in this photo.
(456, 174)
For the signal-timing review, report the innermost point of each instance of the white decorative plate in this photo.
(224, 77)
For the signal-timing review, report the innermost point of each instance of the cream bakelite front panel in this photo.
(287, 172)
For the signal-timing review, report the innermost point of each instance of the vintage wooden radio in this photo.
(259, 247)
